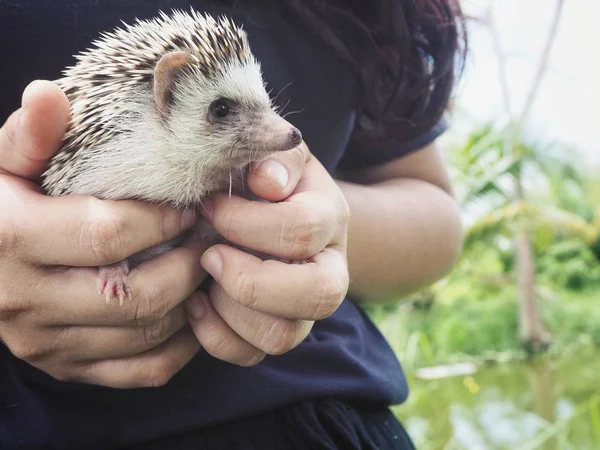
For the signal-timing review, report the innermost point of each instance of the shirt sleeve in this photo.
(359, 157)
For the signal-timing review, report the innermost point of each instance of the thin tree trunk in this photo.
(533, 333)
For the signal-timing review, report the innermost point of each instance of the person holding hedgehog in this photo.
(271, 355)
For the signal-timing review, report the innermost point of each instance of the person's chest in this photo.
(38, 39)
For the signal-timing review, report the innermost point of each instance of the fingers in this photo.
(150, 369)
(303, 225)
(66, 355)
(310, 291)
(158, 286)
(273, 335)
(32, 134)
(283, 230)
(275, 178)
(216, 336)
(92, 232)
(92, 344)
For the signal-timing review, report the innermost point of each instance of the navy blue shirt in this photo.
(344, 356)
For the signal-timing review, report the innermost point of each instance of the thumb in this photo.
(275, 179)
(32, 134)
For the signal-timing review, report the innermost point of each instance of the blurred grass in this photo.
(487, 329)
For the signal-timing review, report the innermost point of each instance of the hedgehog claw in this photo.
(113, 282)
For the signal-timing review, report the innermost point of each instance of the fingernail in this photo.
(196, 307)
(206, 208)
(188, 219)
(274, 171)
(212, 263)
(28, 92)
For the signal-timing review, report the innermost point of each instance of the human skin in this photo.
(402, 215)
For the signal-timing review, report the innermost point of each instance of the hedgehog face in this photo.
(224, 120)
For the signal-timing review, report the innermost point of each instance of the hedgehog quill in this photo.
(164, 110)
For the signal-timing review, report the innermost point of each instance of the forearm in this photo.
(404, 234)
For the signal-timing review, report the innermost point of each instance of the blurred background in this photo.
(503, 353)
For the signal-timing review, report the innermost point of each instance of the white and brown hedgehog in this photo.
(164, 110)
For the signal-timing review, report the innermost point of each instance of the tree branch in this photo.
(501, 57)
(537, 81)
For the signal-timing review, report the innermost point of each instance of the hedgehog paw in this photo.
(113, 282)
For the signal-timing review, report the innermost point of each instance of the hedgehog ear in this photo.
(165, 73)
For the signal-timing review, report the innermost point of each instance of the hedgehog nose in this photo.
(296, 136)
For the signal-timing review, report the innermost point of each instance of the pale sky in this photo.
(568, 103)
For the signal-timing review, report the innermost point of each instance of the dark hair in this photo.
(405, 54)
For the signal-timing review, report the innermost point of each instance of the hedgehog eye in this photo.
(219, 108)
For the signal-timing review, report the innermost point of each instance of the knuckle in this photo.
(66, 375)
(304, 233)
(247, 292)
(149, 309)
(221, 346)
(227, 220)
(11, 130)
(104, 233)
(14, 301)
(282, 336)
(28, 350)
(296, 156)
(331, 292)
(253, 360)
(9, 235)
(159, 224)
(158, 332)
(160, 374)
(215, 343)
(344, 212)
(9, 309)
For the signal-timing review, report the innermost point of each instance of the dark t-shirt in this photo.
(344, 355)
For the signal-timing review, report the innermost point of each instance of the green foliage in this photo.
(557, 203)
(455, 329)
(595, 248)
(470, 328)
(569, 264)
(574, 317)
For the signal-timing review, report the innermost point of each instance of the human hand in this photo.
(50, 313)
(260, 307)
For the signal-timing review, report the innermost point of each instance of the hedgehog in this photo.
(164, 110)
